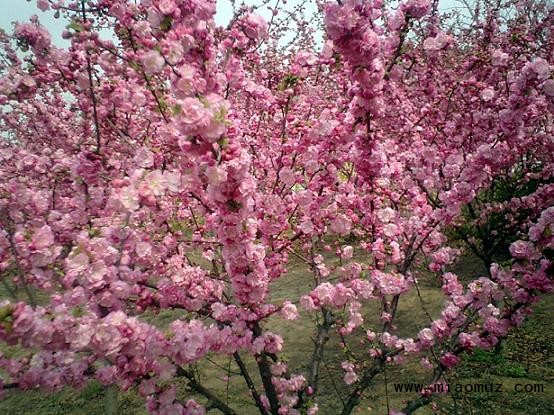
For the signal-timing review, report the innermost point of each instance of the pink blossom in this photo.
(390, 230)
(307, 227)
(129, 198)
(440, 328)
(194, 408)
(143, 249)
(155, 182)
(43, 5)
(204, 10)
(144, 157)
(436, 43)
(289, 311)
(313, 410)
(548, 87)
(278, 369)
(213, 131)
(121, 289)
(426, 337)
(341, 225)
(425, 363)
(347, 252)
(81, 337)
(487, 94)
(273, 343)
(215, 127)
(339, 20)
(523, 250)
(499, 58)
(153, 62)
(541, 67)
(167, 6)
(388, 283)
(77, 261)
(107, 339)
(416, 8)
(255, 26)
(307, 302)
(95, 278)
(498, 327)
(350, 376)
(286, 175)
(35, 35)
(43, 238)
(386, 214)
(468, 340)
(451, 285)
(304, 58)
(410, 346)
(193, 114)
(175, 52)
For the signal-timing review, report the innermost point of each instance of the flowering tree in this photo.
(182, 166)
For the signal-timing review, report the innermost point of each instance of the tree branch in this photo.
(317, 355)
(265, 374)
(91, 87)
(249, 383)
(214, 401)
(403, 33)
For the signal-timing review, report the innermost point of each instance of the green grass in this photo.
(527, 356)
(88, 401)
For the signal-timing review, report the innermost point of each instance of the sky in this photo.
(21, 10)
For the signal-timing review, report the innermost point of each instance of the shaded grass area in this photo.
(88, 401)
(526, 357)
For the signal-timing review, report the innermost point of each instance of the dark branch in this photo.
(250, 383)
(214, 401)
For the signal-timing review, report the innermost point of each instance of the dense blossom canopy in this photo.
(178, 165)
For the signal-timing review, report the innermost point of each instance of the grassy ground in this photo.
(527, 357)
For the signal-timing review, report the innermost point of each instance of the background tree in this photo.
(181, 166)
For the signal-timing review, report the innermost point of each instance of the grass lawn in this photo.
(526, 357)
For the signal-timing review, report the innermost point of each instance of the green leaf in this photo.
(176, 109)
(78, 27)
(288, 81)
(166, 23)
(78, 312)
(220, 115)
(134, 65)
(233, 205)
(5, 312)
(223, 142)
(93, 232)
